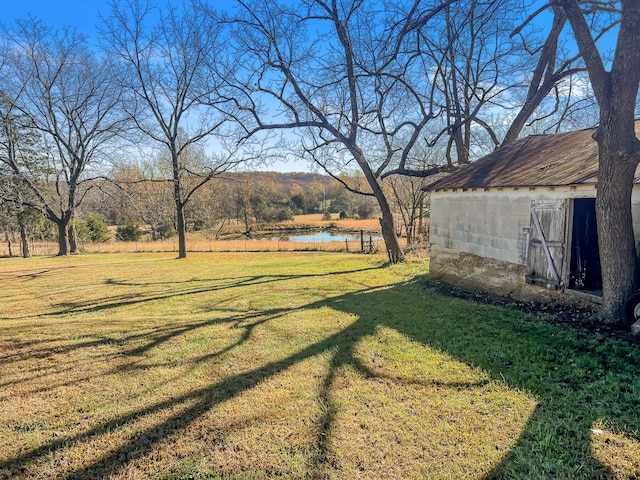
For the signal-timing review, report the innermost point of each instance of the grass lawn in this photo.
(296, 365)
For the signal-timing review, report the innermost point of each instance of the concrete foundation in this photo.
(495, 276)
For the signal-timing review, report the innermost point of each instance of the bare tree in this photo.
(546, 74)
(409, 197)
(173, 65)
(616, 90)
(559, 71)
(347, 78)
(16, 146)
(57, 89)
(144, 193)
(477, 64)
(214, 208)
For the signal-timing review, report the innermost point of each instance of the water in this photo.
(321, 237)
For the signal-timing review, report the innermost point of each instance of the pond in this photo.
(320, 237)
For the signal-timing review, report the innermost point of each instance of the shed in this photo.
(523, 215)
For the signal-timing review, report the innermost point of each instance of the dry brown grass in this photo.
(350, 224)
(201, 242)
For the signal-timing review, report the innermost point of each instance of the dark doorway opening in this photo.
(585, 272)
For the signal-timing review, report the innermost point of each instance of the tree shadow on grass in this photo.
(173, 289)
(577, 381)
(247, 322)
(46, 349)
(113, 302)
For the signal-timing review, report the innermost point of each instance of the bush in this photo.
(365, 210)
(164, 230)
(199, 224)
(128, 232)
(274, 214)
(93, 229)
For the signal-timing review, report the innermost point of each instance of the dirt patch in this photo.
(577, 316)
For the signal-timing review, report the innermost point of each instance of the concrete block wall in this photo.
(492, 223)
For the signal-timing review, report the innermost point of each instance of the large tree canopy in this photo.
(65, 96)
(172, 71)
(371, 86)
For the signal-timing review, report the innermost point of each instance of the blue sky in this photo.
(81, 14)
(84, 14)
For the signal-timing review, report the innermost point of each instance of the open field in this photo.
(205, 242)
(296, 365)
(200, 243)
(315, 219)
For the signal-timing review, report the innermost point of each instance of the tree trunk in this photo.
(7, 237)
(462, 155)
(390, 239)
(182, 231)
(388, 230)
(386, 222)
(619, 149)
(615, 229)
(389, 233)
(544, 78)
(63, 238)
(24, 240)
(177, 198)
(421, 217)
(530, 106)
(73, 238)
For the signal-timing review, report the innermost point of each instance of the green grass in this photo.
(296, 365)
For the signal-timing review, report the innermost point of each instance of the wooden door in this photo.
(546, 243)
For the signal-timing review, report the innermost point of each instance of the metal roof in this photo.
(540, 160)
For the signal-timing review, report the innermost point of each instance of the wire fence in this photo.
(367, 244)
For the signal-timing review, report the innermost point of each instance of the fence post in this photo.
(346, 242)
(362, 240)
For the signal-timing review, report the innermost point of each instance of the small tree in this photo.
(165, 229)
(128, 232)
(93, 229)
(409, 200)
